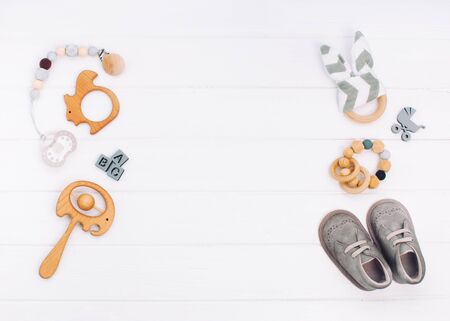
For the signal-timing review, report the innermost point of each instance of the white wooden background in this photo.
(230, 123)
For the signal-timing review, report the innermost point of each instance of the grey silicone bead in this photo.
(51, 56)
(385, 154)
(92, 51)
(71, 50)
(34, 94)
(41, 74)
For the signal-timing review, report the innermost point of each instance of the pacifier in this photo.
(78, 205)
(57, 147)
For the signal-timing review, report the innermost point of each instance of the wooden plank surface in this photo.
(230, 123)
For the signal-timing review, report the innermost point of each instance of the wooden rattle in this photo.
(354, 178)
(58, 145)
(85, 85)
(85, 202)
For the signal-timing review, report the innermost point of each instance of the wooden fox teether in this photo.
(85, 202)
(85, 85)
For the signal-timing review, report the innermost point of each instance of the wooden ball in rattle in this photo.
(113, 64)
(86, 202)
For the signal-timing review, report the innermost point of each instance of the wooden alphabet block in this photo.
(115, 171)
(119, 157)
(103, 162)
(112, 166)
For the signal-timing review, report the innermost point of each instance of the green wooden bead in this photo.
(367, 144)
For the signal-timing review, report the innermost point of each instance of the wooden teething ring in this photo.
(348, 178)
(64, 206)
(361, 187)
(381, 107)
(346, 170)
(85, 85)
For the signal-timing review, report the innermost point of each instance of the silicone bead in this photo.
(381, 175)
(378, 146)
(60, 51)
(37, 84)
(71, 50)
(51, 56)
(45, 63)
(41, 74)
(385, 154)
(92, 51)
(34, 94)
(367, 144)
(82, 51)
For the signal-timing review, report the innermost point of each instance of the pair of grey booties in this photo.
(370, 262)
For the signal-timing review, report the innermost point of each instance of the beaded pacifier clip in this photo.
(57, 146)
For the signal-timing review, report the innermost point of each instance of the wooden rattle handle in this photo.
(51, 262)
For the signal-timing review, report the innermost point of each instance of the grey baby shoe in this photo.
(392, 229)
(349, 246)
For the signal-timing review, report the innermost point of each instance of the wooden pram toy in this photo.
(85, 202)
(85, 85)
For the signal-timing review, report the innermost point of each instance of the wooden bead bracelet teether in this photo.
(354, 178)
(57, 146)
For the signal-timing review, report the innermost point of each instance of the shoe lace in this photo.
(400, 240)
(355, 245)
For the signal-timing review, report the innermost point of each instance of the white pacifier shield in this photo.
(61, 145)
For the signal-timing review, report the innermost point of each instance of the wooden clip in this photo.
(85, 85)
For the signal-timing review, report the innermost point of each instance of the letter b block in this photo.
(103, 163)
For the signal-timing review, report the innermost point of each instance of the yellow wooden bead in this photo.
(357, 146)
(353, 182)
(348, 152)
(86, 202)
(344, 162)
(377, 146)
(345, 171)
(384, 165)
(374, 182)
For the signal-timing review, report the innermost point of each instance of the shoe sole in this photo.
(330, 255)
